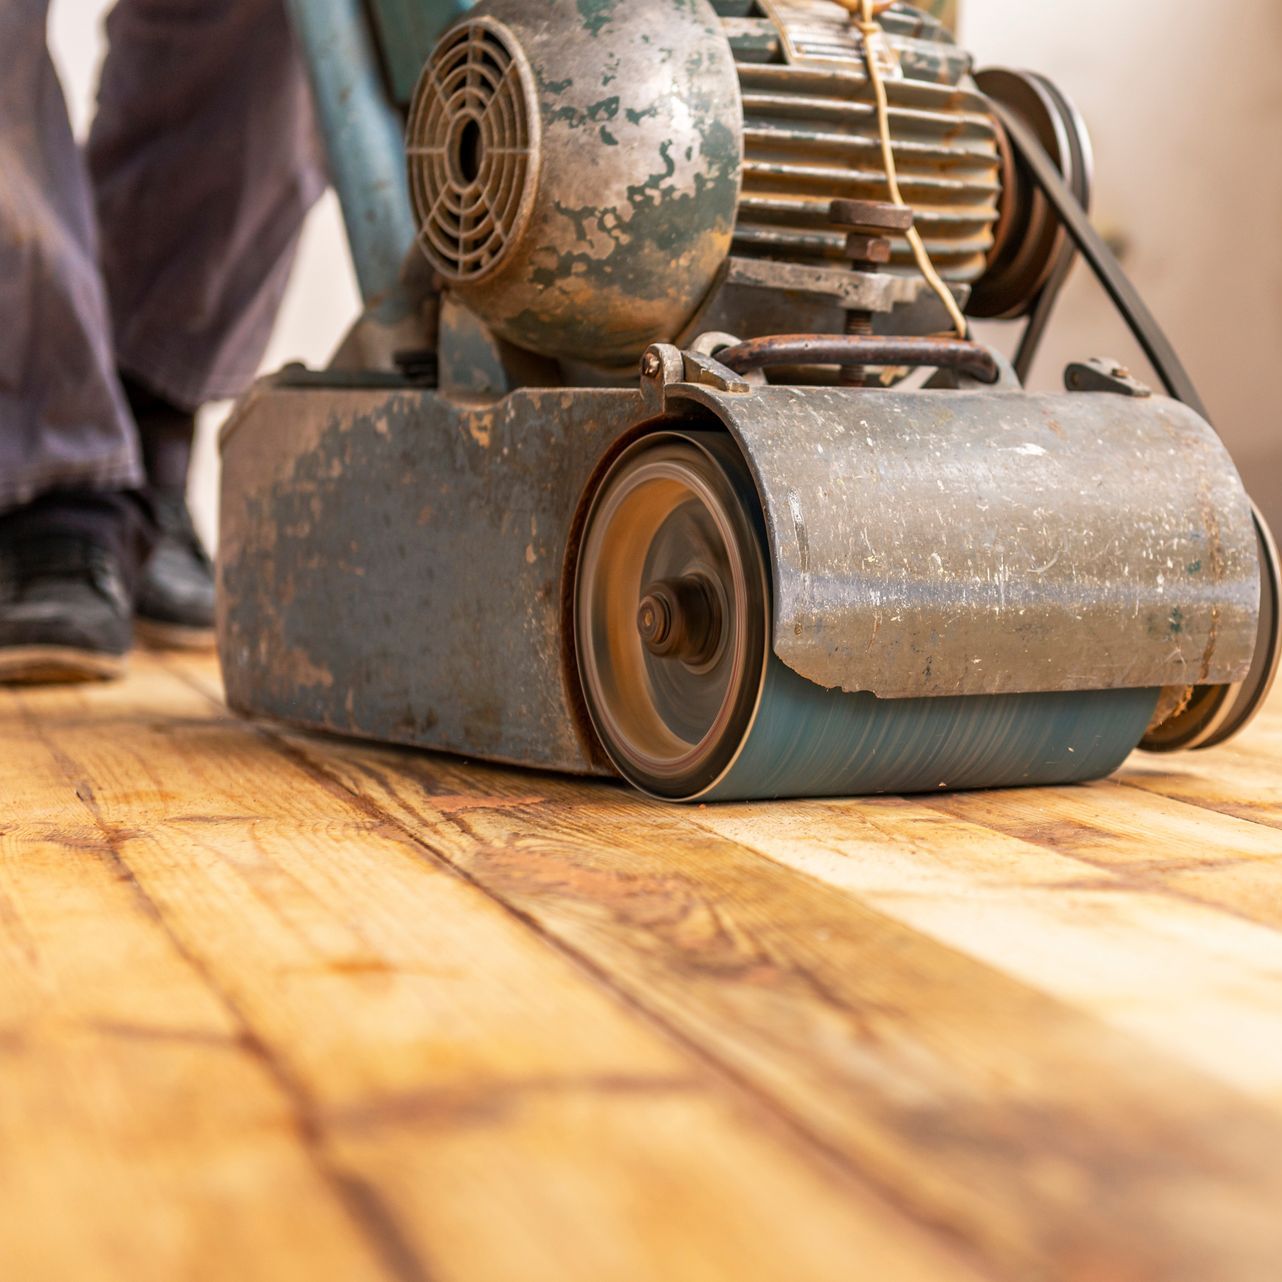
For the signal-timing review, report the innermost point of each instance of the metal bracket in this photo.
(664, 365)
(859, 290)
(1103, 374)
(707, 371)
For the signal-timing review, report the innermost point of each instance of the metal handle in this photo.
(972, 359)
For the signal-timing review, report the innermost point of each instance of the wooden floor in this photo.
(274, 1007)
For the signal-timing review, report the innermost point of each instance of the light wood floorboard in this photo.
(280, 1006)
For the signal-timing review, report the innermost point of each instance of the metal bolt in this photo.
(654, 620)
(651, 365)
(680, 619)
(867, 224)
(871, 217)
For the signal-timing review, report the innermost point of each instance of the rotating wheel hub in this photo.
(671, 614)
(681, 619)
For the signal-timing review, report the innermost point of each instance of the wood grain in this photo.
(1149, 920)
(142, 1136)
(465, 1100)
(278, 1006)
(984, 1105)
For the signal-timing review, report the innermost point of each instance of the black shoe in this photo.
(175, 606)
(65, 612)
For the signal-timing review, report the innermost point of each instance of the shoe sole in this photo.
(57, 665)
(173, 636)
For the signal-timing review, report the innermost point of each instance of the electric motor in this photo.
(590, 180)
(575, 170)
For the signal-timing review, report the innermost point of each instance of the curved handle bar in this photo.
(828, 349)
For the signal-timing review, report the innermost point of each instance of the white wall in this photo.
(1185, 102)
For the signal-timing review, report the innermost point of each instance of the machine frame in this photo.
(401, 533)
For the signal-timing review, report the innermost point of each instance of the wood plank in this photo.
(142, 1137)
(1202, 854)
(147, 697)
(1180, 959)
(1244, 782)
(1049, 1143)
(497, 1110)
(1037, 885)
(1241, 779)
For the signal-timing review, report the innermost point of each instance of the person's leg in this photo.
(205, 160)
(70, 533)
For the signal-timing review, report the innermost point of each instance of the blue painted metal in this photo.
(408, 31)
(364, 137)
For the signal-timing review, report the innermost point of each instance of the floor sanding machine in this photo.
(664, 447)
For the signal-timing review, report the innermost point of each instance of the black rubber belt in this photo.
(1039, 319)
(1143, 324)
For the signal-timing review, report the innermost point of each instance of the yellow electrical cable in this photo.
(863, 14)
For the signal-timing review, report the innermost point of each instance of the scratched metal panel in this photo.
(391, 564)
(936, 543)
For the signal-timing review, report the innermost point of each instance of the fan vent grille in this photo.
(472, 149)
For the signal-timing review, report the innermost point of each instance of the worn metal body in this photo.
(394, 562)
(715, 160)
(995, 542)
(628, 470)
(810, 133)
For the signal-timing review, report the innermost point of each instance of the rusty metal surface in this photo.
(832, 349)
(1207, 716)
(632, 158)
(839, 285)
(936, 543)
(391, 564)
(866, 223)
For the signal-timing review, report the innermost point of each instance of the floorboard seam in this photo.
(779, 1118)
(833, 1155)
(373, 1220)
(1126, 878)
(1269, 825)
